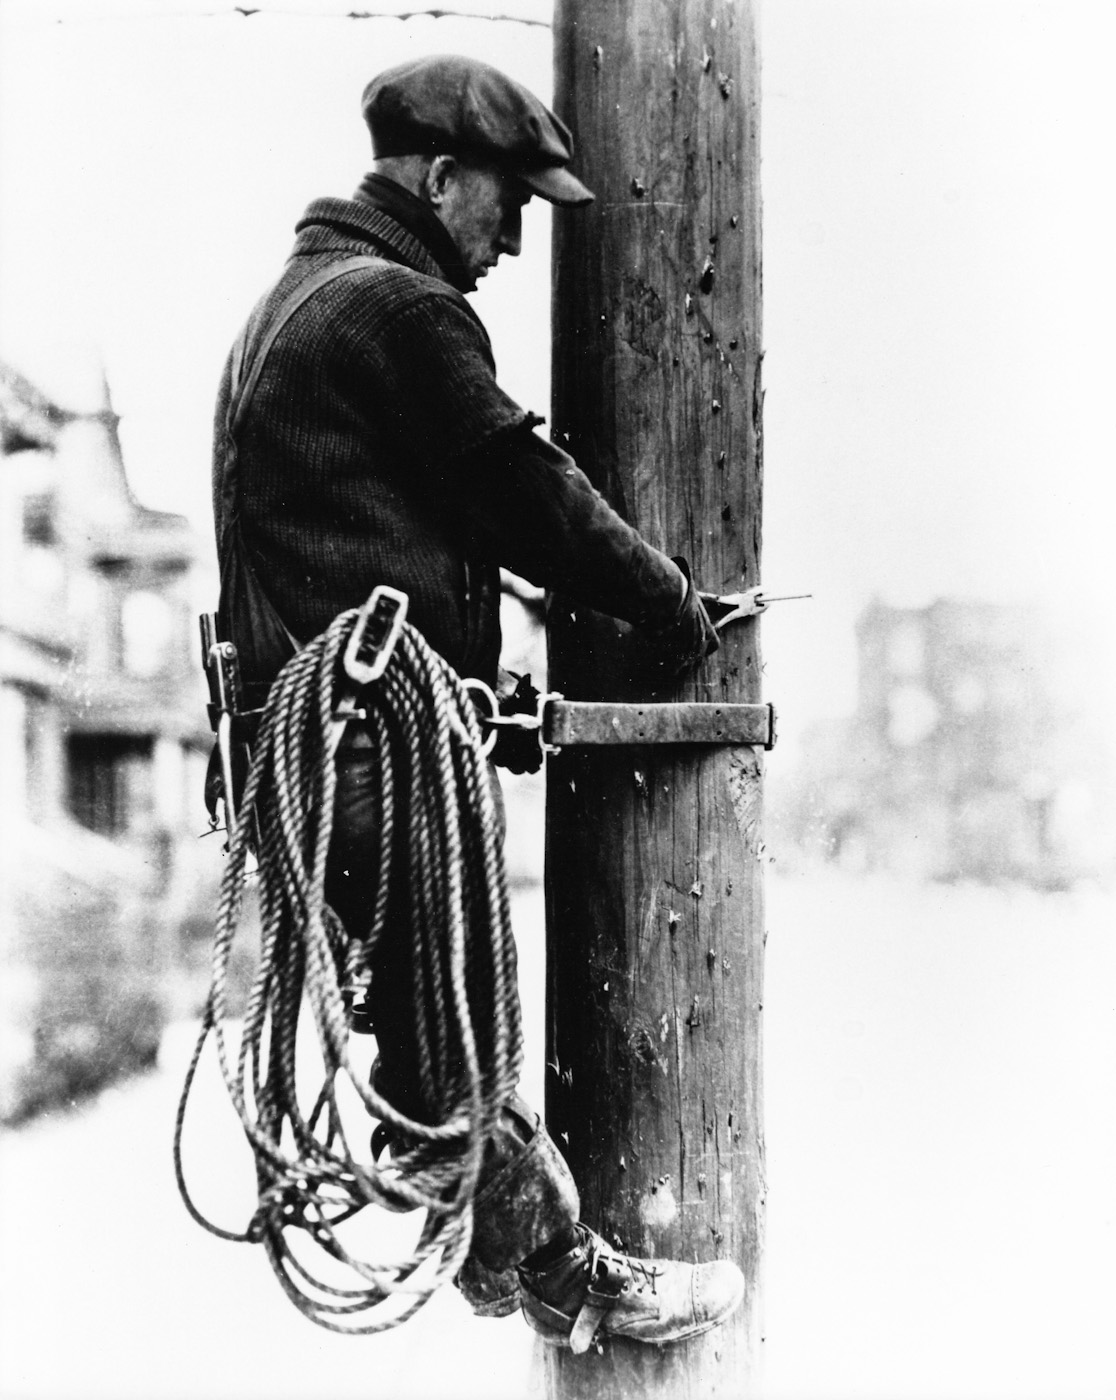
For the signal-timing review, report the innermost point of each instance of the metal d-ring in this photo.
(482, 688)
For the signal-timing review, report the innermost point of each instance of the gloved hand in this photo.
(518, 750)
(685, 643)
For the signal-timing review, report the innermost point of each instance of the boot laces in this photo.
(648, 1272)
(605, 1264)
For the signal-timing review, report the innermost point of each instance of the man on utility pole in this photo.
(654, 899)
(362, 440)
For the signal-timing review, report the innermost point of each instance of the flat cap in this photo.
(454, 105)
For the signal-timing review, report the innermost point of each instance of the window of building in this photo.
(108, 781)
(912, 715)
(147, 627)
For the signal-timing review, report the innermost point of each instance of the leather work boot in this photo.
(593, 1289)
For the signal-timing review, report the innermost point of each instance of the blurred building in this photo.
(978, 750)
(103, 743)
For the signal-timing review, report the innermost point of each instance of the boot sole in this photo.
(554, 1337)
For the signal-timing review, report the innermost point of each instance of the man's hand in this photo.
(685, 643)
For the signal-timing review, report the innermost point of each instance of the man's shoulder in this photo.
(407, 286)
(392, 302)
(388, 284)
(372, 281)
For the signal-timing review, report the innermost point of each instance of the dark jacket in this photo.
(378, 448)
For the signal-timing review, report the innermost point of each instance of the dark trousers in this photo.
(525, 1194)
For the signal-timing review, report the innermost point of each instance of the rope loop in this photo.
(437, 806)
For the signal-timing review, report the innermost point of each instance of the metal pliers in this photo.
(731, 607)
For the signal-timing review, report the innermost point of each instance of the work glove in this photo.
(518, 750)
(683, 644)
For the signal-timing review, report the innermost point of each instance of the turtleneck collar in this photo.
(420, 221)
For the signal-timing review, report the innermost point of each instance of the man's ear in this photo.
(438, 176)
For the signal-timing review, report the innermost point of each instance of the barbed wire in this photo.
(42, 16)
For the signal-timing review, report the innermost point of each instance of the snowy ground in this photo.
(941, 1126)
(941, 1129)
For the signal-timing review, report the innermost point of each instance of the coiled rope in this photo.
(437, 806)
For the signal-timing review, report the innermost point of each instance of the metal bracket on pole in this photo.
(577, 723)
(562, 723)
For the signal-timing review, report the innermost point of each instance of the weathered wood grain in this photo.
(654, 889)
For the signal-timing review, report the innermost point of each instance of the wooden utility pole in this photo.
(655, 920)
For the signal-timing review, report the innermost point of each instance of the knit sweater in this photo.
(379, 448)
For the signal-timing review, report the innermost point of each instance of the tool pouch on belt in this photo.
(247, 617)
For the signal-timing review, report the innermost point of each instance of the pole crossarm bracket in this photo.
(577, 723)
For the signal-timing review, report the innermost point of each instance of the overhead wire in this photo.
(40, 14)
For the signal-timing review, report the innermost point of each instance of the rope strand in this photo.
(435, 798)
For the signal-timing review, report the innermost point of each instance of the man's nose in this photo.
(510, 240)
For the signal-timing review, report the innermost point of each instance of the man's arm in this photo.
(517, 500)
(526, 505)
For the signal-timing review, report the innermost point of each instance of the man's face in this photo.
(482, 210)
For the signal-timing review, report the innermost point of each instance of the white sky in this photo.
(939, 293)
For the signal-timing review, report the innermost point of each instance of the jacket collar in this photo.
(400, 227)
